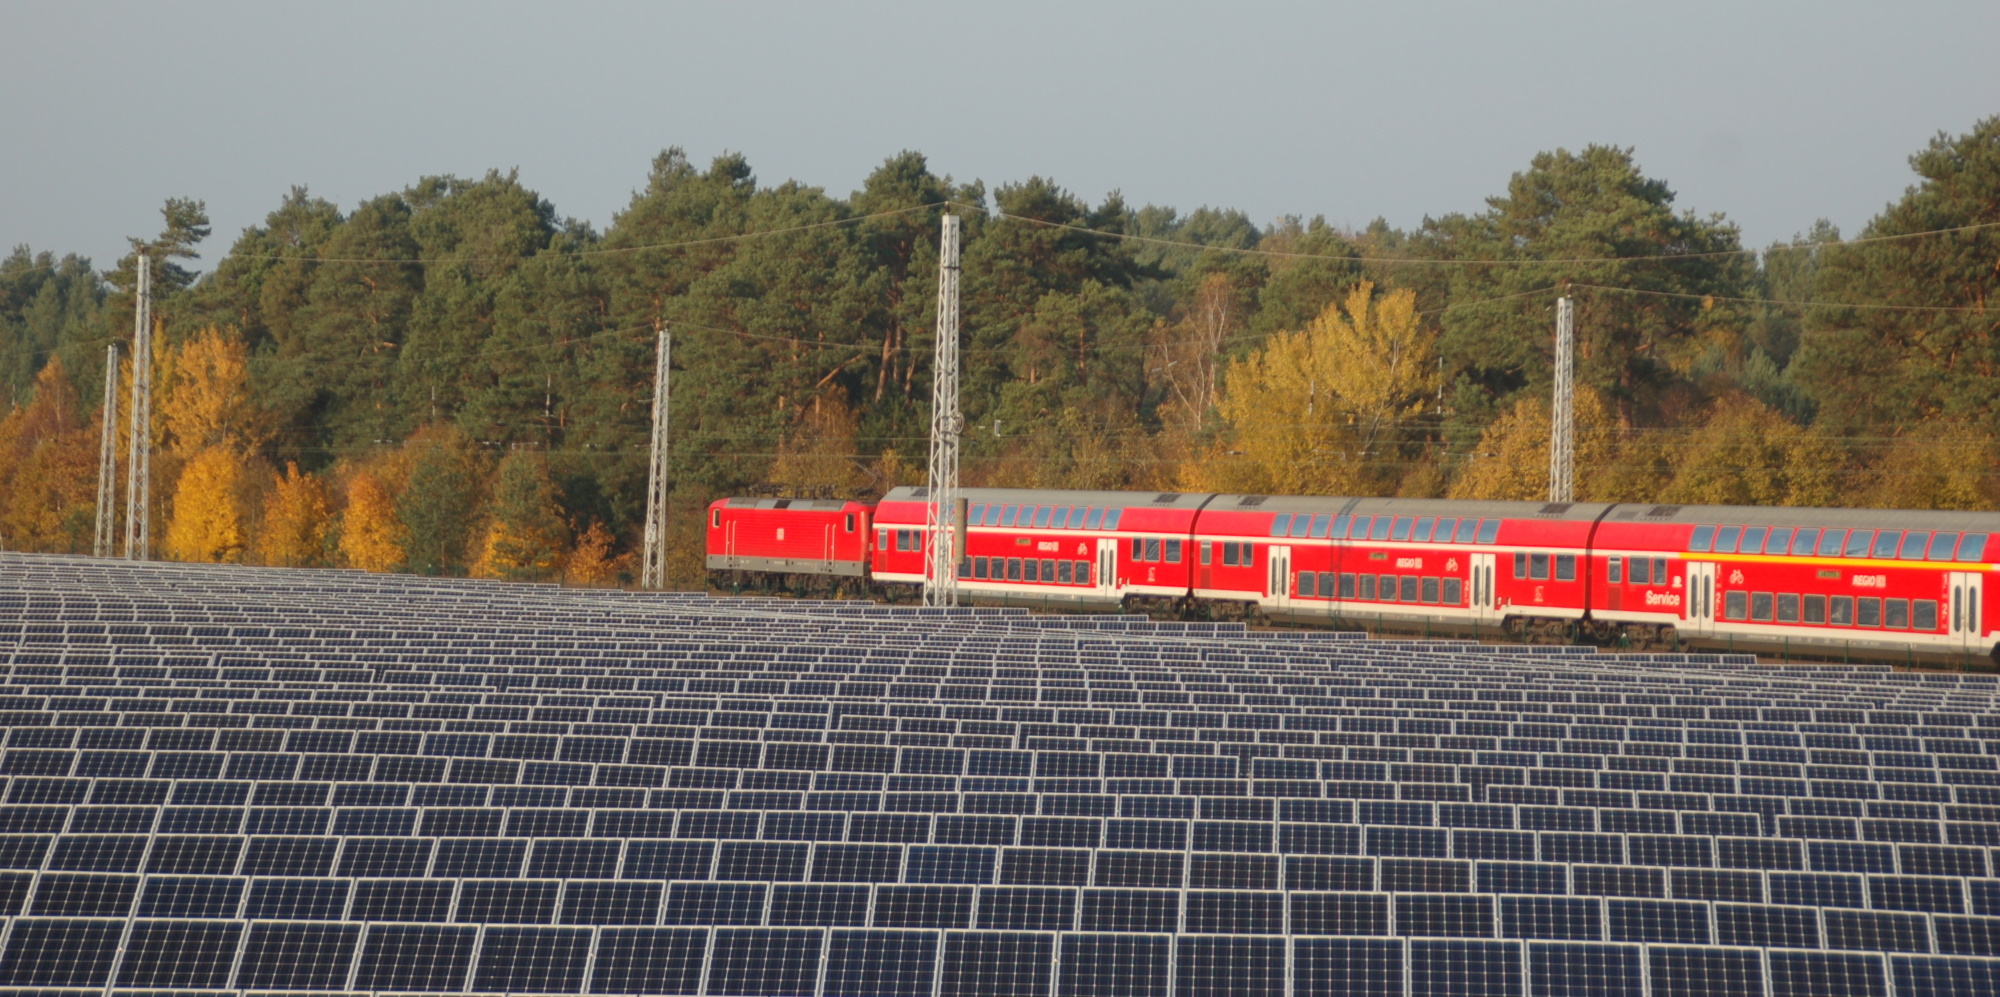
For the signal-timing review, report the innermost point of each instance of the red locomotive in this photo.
(1818, 581)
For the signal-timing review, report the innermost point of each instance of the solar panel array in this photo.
(228, 780)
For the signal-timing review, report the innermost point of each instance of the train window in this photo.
(1083, 572)
(1725, 539)
(1659, 571)
(1815, 609)
(1896, 614)
(1760, 606)
(1753, 540)
(1208, 552)
(1840, 611)
(1924, 614)
(1059, 518)
(1423, 531)
(1885, 544)
(1395, 587)
(1357, 528)
(1367, 586)
(1914, 543)
(1788, 607)
(1308, 585)
(1803, 542)
(881, 539)
(1076, 514)
(1640, 573)
(1735, 605)
(1454, 592)
(1138, 548)
(1301, 526)
(1062, 572)
(850, 522)
(1973, 547)
(1942, 546)
(1614, 569)
(976, 515)
(1007, 515)
(1038, 571)
(979, 568)
(1380, 531)
(1281, 524)
(1446, 527)
(1013, 569)
(1094, 520)
(965, 569)
(1228, 554)
(1346, 586)
(1779, 542)
(1429, 591)
(1153, 549)
(1042, 514)
(1339, 529)
(1538, 567)
(1468, 529)
(1703, 537)
(1111, 518)
(1858, 542)
(1830, 541)
(1868, 612)
(1401, 530)
(1326, 584)
(1565, 567)
(1319, 526)
(1173, 552)
(715, 517)
(1520, 565)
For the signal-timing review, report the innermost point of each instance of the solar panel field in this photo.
(232, 780)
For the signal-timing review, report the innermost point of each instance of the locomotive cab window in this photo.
(850, 522)
(1703, 537)
(715, 517)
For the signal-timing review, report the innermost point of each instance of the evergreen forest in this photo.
(455, 378)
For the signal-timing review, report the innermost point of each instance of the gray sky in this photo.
(1774, 113)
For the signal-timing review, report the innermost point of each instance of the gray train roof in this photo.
(1756, 515)
(1057, 496)
(1407, 506)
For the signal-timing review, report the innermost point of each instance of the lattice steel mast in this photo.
(653, 569)
(941, 512)
(107, 459)
(139, 489)
(1562, 422)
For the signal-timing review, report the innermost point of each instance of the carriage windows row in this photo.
(1025, 569)
(1382, 588)
(1156, 550)
(1537, 567)
(1043, 517)
(1913, 545)
(1404, 529)
(1839, 610)
(1636, 570)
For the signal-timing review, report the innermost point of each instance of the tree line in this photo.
(455, 378)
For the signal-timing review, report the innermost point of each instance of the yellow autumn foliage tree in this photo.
(296, 517)
(1511, 462)
(371, 537)
(591, 563)
(1322, 411)
(525, 534)
(1933, 465)
(1747, 453)
(208, 522)
(48, 470)
(204, 391)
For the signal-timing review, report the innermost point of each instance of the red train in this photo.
(1826, 582)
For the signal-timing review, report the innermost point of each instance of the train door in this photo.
(1698, 608)
(1107, 566)
(1484, 607)
(1278, 584)
(826, 544)
(1967, 592)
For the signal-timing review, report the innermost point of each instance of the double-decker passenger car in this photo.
(1824, 581)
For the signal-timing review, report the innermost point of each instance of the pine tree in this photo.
(525, 535)
(438, 501)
